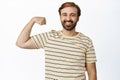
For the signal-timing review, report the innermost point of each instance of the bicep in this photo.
(30, 44)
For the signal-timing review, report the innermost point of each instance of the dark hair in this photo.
(70, 4)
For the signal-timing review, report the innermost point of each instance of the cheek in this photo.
(75, 19)
(62, 19)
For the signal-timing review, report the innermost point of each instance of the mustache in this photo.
(68, 21)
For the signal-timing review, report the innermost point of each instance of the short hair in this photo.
(70, 4)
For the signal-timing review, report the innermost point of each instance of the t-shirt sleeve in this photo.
(90, 53)
(39, 40)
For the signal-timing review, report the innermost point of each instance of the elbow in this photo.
(20, 45)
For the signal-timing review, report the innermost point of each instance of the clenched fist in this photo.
(39, 20)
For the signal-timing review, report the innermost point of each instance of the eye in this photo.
(73, 15)
(64, 14)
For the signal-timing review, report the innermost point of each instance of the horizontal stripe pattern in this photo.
(65, 57)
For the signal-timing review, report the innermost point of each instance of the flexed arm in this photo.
(24, 40)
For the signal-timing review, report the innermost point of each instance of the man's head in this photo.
(69, 15)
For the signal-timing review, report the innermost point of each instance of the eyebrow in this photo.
(66, 13)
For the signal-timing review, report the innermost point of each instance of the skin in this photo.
(69, 19)
(24, 40)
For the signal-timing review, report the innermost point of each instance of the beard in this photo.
(69, 25)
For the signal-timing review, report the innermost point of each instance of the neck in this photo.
(69, 33)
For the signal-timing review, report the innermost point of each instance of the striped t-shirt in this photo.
(65, 57)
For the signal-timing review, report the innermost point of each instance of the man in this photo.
(69, 54)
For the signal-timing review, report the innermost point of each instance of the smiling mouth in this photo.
(68, 21)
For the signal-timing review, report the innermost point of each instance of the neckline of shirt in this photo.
(69, 36)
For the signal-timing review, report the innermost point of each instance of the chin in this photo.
(69, 29)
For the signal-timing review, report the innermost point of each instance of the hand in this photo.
(39, 20)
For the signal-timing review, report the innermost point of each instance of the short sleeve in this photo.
(90, 53)
(39, 40)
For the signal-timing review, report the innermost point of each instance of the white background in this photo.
(100, 20)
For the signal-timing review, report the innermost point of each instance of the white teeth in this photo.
(68, 23)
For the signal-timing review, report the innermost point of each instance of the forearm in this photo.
(25, 34)
(92, 76)
(91, 70)
(24, 40)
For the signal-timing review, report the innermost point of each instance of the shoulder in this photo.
(50, 34)
(53, 32)
(84, 37)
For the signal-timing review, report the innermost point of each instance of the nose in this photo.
(68, 18)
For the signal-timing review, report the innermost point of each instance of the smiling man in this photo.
(68, 54)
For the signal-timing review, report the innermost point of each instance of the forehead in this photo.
(69, 10)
